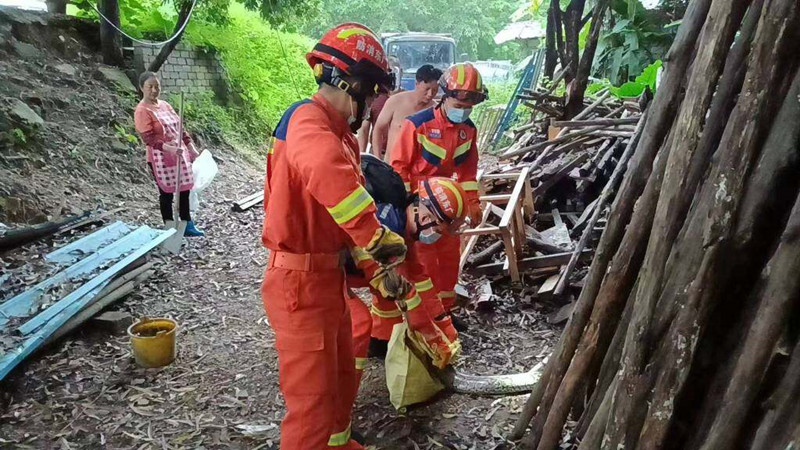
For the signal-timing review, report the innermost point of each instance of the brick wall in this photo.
(187, 68)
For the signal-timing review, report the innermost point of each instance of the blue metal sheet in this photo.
(22, 304)
(87, 245)
(153, 238)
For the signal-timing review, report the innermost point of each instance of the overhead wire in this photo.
(286, 58)
(148, 43)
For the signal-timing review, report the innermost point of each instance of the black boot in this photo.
(459, 324)
(377, 348)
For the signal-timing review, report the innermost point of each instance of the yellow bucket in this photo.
(153, 341)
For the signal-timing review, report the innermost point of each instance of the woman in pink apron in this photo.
(159, 126)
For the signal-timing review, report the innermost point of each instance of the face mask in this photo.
(458, 115)
(429, 236)
(357, 117)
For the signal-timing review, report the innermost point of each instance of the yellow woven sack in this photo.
(406, 376)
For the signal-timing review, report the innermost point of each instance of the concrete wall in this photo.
(187, 68)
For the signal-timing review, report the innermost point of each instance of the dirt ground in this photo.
(222, 391)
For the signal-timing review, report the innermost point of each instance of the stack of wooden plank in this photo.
(544, 202)
(90, 273)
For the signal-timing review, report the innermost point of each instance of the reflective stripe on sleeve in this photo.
(470, 185)
(351, 206)
(340, 439)
(423, 286)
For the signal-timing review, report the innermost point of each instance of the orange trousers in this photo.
(441, 262)
(361, 322)
(314, 340)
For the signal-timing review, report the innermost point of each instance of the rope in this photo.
(285, 57)
(148, 43)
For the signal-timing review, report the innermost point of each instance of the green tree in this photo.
(473, 23)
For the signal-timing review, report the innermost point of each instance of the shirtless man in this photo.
(365, 132)
(402, 105)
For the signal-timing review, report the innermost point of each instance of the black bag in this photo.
(383, 183)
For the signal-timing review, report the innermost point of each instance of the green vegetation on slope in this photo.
(267, 68)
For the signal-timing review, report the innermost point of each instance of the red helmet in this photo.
(463, 82)
(445, 198)
(353, 49)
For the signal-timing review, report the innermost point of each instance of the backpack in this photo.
(383, 183)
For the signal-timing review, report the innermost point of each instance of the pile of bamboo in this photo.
(685, 334)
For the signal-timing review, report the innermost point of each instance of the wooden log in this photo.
(486, 254)
(777, 164)
(780, 284)
(605, 196)
(690, 287)
(660, 117)
(562, 172)
(593, 122)
(592, 337)
(559, 140)
(783, 410)
(16, 237)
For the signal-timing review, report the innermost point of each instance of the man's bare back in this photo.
(397, 108)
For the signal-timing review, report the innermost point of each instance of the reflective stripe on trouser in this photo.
(362, 328)
(385, 316)
(441, 263)
(430, 300)
(313, 337)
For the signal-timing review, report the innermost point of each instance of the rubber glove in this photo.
(441, 346)
(390, 284)
(387, 247)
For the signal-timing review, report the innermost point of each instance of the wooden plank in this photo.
(495, 198)
(248, 202)
(536, 262)
(549, 284)
(480, 231)
(473, 239)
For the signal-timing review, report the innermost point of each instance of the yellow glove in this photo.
(387, 248)
(390, 284)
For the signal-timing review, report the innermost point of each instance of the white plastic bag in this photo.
(204, 169)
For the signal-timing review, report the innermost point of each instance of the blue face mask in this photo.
(458, 115)
(429, 236)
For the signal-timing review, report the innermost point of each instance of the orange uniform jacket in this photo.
(315, 201)
(430, 145)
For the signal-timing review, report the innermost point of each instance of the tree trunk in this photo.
(56, 6)
(166, 50)
(550, 52)
(577, 86)
(110, 40)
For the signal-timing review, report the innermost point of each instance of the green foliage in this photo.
(472, 23)
(18, 137)
(630, 89)
(124, 135)
(638, 37)
(266, 80)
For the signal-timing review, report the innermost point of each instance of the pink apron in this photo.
(165, 168)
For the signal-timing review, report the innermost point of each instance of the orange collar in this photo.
(338, 123)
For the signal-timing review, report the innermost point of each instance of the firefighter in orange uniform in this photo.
(438, 210)
(441, 142)
(316, 209)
